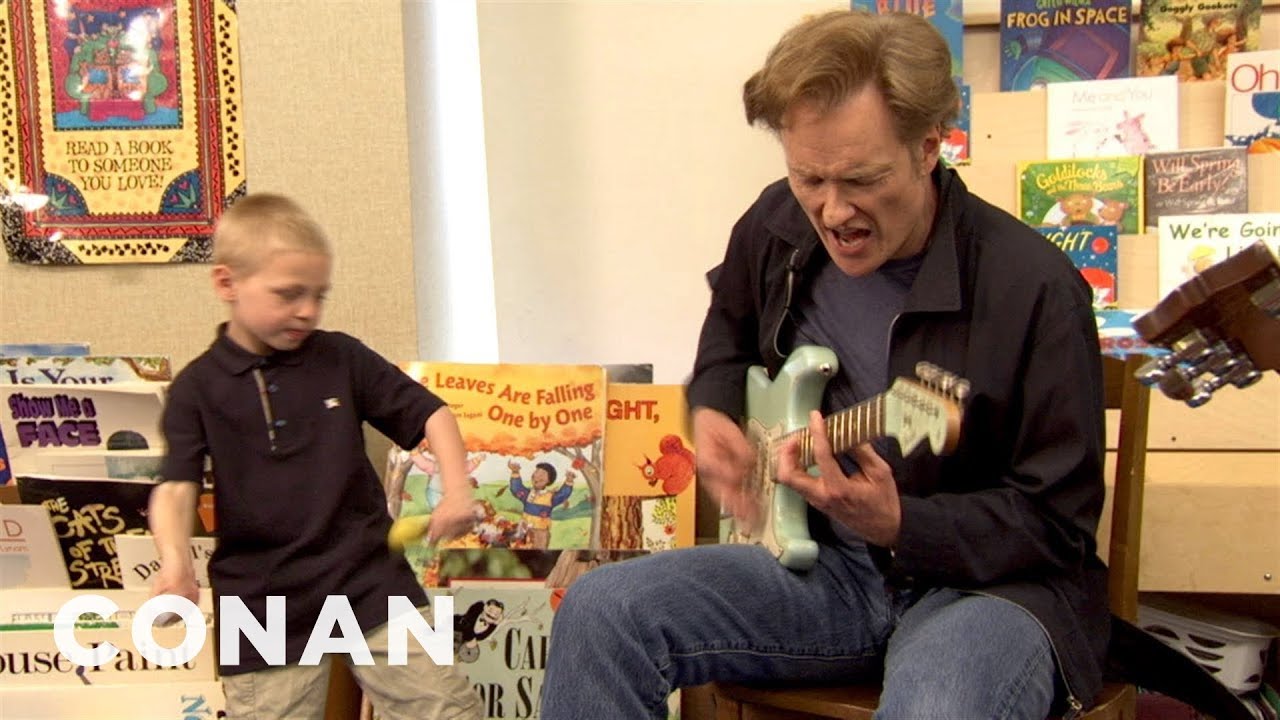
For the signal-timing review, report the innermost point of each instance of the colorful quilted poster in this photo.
(126, 116)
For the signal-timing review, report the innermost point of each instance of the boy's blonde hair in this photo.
(262, 224)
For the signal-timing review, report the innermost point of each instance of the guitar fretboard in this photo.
(852, 426)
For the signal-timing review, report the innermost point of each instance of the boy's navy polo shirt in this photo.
(306, 518)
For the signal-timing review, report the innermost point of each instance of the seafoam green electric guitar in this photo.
(913, 411)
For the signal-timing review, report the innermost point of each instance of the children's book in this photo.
(56, 348)
(648, 458)
(1191, 243)
(1193, 39)
(30, 556)
(1195, 182)
(85, 420)
(197, 700)
(500, 637)
(1093, 249)
(75, 370)
(946, 15)
(84, 370)
(6, 474)
(1046, 43)
(37, 609)
(629, 372)
(955, 144)
(1101, 118)
(1253, 101)
(39, 660)
(139, 560)
(534, 436)
(454, 567)
(1117, 336)
(1084, 191)
(87, 514)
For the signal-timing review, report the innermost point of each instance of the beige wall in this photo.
(324, 122)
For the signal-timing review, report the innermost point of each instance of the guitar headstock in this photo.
(1222, 327)
(926, 409)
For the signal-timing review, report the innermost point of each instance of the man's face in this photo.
(869, 197)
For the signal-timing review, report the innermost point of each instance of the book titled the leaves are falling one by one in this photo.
(534, 437)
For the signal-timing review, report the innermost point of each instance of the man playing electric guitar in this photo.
(969, 581)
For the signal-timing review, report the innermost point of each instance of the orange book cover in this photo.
(648, 459)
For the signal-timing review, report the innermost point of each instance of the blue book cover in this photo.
(946, 15)
(6, 475)
(1049, 41)
(1117, 336)
(21, 349)
(1093, 250)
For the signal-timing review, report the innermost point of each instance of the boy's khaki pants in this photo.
(420, 689)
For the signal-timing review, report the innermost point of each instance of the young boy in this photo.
(278, 405)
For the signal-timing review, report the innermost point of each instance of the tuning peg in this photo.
(961, 390)
(927, 372)
(1175, 385)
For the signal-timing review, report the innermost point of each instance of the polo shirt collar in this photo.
(236, 360)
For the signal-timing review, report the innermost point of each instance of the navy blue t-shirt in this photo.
(852, 316)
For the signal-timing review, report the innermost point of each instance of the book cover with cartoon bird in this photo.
(648, 458)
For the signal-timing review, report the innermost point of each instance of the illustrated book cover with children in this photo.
(648, 458)
(1105, 118)
(1191, 243)
(1083, 191)
(1094, 250)
(534, 436)
(1192, 39)
(1043, 44)
(1195, 182)
(1252, 107)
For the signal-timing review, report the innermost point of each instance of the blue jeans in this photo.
(629, 633)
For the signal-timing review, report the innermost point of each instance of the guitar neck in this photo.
(848, 428)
